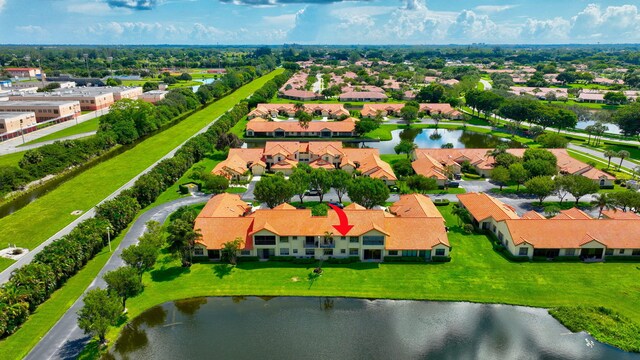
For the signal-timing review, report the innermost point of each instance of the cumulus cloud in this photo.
(30, 29)
(493, 8)
(135, 4)
(552, 30)
(262, 3)
(470, 25)
(2, 3)
(613, 23)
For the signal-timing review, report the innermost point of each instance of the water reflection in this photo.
(336, 328)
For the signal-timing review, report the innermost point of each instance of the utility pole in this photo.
(110, 60)
(21, 131)
(86, 62)
(109, 237)
(41, 73)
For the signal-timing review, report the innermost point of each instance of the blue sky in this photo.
(318, 21)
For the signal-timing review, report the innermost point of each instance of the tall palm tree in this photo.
(462, 213)
(610, 154)
(604, 200)
(622, 154)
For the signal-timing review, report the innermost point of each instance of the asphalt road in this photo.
(65, 340)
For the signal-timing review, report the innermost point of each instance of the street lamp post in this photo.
(109, 236)
(86, 61)
(21, 131)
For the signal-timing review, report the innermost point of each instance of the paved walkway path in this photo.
(43, 143)
(600, 156)
(487, 85)
(65, 340)
(13, 145)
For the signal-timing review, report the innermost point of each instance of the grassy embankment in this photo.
(84, 127)
(41, 219)
(19, 344)
(476, 273)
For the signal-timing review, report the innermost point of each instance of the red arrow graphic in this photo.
(344, 226)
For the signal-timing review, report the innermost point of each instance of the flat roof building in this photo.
(90, 98)
(23, 72)
(11, 122)
(153, 96)
(38, 84)
(44, 110)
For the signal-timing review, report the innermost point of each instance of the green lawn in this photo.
(476, 273)
(36, 222)
(239, 128)
(11, 159)
(87, 126)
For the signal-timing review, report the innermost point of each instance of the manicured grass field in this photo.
(41, 219)
(87, 126)
(11, 159)
(476, 273)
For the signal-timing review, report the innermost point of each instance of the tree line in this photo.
(32, 284)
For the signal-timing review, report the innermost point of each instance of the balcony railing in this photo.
(320, 244)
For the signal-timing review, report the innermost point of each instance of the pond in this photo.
(435, 138)
(204, 81)
(338, 328)
(612, 128)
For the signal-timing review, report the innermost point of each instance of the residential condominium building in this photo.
(13, 122)
(44, 110)
(435, 163)
(153, 96)
(90, 98)
(332, 111)
(411, 227)
(259, 127)
(40, 84)
(571, 233)
(284, 156)
(23, 72)
(446, 110)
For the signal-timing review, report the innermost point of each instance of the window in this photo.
(500, 236)
(439, 252)
(409, 252)
(295, 251)
(264, 240)
(608, 252)
(310, 252)
(284, 239)
(493, 228)
(523, 251)
(198, 251)
(570, 252)
(354, 252)
(343, 238)
(343, 251)
(245, 252)
(284, 251)
(635, 252)
(354, 239)
(373, 240)
(393, 252)
(328, 252)
(294, 238)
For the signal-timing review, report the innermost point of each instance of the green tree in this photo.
(340, 181)
(409, 113)
(421, 184)
(300, 181)
(562, 186)
(615, 97)
(149, 86)
(463, 215)
(128, 119)
(141, 257)
(628, 119)
(304, 118)
(432, 93)
(405, 147)
(500, 175)
(273, 190)
(215, 184)
(540, 186)
(604, 200)
(368, 192)
(552, 141)
(119, 212)
(182, 235)
(402, 167)
(100, 311)
(125, 282)
(610, 154)
(366, 125)
(320, 181)
(622, 154)
(518, 173)
(230, 250)
(580, 186)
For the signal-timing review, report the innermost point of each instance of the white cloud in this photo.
(615, 23)
(95, 8)
(284, 20)
(489, 9)
(469, 25)
(554, 30)
(2, 3)
(30, 29)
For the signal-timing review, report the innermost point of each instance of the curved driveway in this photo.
(65, 340)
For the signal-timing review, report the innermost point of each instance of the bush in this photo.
(347, 260)
(472, 176)
(440, 259)
(622, 258)
(248, 258)
(617, 181)
(441, 202)
(606, 187)
(406, 259)
(282, 258)
(467, 228)
(304, 261)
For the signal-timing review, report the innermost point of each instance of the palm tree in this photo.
(461, 212)
(622, 154)
(298, 106)
(609, 154)
(604, 200)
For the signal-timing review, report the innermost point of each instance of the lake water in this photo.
(435, 138)
(613, 128)
(338, 328)
(204, 81)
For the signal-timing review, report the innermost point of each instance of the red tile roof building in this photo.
(416, 229)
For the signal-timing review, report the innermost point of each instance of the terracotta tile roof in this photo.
(429, 167)
(403, 233)
(373, 166)
(619, 214)
(237, 161)
(285, 148)
(325, 147)
(482, 206)
(532, 215)
(225, 205)
(320, 163)
(371, 95)
(570, 214)
(415, 205)
(373, 109)
(347, 125)
(553, 234)
(285, 164)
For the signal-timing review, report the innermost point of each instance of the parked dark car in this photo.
(453, 184)
(312, 193)
(337, 204)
